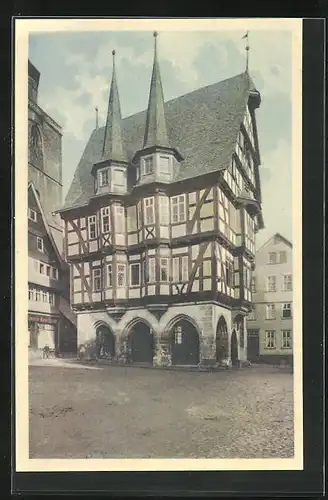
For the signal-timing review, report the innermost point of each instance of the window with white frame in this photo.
(164, 270)
(44, 296)
(287, 310)
(148, 165)
(119, 177)
(105, 219)
(119, 219)
(180, 271)
(270, 311)
(272, 284)
(37, 295)
(48, 270)
(132, 218)
(149, 211)
(96, 280)
(31, 293)
(121, 275)
(286, 339)
(149, 271)
(178, 208)
(32, 214)
(270, 339)
(176, 269)
(164, 164)
(51, 298)
(39, 244)
(252, 314)
(41, 268)
(109, 276)
(92, 227)
(135, 274)
(103, 177)
(288, 283)
(253, 284)
(54, 273)
(229, 269)
(272, 258)
(164, 210)
(178, 335)
(282, 257)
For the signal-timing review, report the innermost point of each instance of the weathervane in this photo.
(247, 49)
(96, 117)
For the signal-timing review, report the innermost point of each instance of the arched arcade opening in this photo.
(222, 340)
(141, 342)
(105, 342)
(185, 344)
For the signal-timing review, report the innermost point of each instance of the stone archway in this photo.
(105, 341)
(222, 340)
(234, 348)
(184, 342)
(141, 342)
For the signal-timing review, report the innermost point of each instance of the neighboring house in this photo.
(50, 319)
(270, 324)
(160, 223)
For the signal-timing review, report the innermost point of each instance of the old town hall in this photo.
(160, 223)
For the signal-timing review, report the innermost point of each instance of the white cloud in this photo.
(269, 55)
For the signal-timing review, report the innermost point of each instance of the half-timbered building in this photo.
(160, 223)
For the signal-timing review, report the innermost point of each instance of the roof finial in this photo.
(155, 42)
(96, 117)
(247, 49)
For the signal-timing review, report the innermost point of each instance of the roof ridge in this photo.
(178, 97)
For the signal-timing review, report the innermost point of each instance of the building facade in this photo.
(50, 319)
(160, 223)
(270, 324)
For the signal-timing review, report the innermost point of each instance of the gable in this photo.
(41, 228)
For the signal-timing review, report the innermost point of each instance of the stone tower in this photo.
(44, 155)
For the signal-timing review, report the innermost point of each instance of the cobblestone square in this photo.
(118, 412)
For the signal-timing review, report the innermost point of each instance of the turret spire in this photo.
(113, 143)
(247, 50)
(156, 132)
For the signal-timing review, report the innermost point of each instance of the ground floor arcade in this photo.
(196, 334)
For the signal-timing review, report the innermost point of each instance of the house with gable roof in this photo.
(160, 225)
(270, 323)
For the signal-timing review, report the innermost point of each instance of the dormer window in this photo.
(164, 165)
(119, 178)
(103, 177)
(148, 166)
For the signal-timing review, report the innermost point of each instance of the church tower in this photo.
(44, 156)
(110, 173)
(157, 160)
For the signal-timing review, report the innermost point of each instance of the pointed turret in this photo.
(113, 143)
(156, 132)
(158, 160)
(110, 172)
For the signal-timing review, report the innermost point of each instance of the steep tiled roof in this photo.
(202, 125)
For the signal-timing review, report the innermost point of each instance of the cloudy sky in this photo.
(76, 72)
